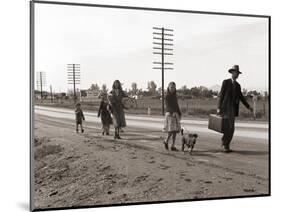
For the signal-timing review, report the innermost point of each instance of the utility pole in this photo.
(51, 92)
(73, 73)
(255, 99)
(162, 48)
(41, 85)
(41, 81)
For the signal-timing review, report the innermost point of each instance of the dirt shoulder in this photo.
(85, 169)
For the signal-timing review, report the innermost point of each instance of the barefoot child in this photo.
(79, 116)
(172, 116)
(104, 113)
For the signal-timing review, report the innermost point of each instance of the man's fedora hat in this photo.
(235, 68)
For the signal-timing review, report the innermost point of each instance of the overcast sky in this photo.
(117, 44)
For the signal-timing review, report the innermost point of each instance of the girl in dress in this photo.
(104, 113)
(172, 117)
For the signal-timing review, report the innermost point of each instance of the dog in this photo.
(188, 140)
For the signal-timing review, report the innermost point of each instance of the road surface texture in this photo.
(75, 169)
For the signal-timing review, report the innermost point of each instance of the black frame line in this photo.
(150, 9)
(31, 100)
(149, 203)
(31, 104)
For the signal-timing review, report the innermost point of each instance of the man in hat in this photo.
(228, 105)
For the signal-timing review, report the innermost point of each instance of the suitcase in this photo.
(216, 123)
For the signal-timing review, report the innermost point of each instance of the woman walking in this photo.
(172, 117)
(117, 108)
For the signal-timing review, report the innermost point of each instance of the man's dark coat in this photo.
(230, 95)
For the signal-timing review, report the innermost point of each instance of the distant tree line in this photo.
(155, 92)
(184, 93)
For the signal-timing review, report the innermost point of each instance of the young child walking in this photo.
(79, 116)
(172, 117)
(104, 113)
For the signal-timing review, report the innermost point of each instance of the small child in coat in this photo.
(104, 113)
(79, 116)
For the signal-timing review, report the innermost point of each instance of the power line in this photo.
(41, 82)
(164, 35)
(73, 77)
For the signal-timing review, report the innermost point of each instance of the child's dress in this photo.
(79, 116)
(172, 123)
(106, 119)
